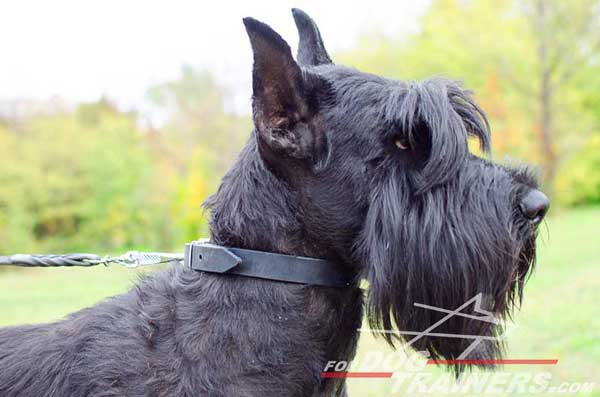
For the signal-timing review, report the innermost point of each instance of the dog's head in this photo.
(384, 178)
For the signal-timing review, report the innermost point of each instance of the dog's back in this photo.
(184, 333)
(81, 355)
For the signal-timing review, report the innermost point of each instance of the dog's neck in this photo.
(254, 209)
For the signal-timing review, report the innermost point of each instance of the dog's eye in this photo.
(401, 144)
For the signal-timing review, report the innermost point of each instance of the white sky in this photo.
(80, 50)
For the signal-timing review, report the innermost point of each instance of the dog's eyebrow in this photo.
(443, 111)
(406, 103)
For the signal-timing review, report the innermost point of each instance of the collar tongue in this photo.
(209, 257)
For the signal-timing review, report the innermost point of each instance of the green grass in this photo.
(559, 318)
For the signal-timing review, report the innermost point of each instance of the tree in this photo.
(199, 137)
(567, 40)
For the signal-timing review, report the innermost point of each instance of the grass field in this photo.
(559, 318)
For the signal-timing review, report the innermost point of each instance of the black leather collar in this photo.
(213, 258)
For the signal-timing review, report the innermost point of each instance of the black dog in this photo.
(371, 173)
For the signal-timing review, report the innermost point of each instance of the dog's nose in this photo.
(534, 205)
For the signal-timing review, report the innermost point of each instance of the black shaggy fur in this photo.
(373, 173)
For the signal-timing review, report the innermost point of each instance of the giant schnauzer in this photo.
(372, 174)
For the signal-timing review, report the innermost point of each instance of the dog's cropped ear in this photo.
(311, 50)
(281, 96)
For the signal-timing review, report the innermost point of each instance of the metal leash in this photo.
(131, 259)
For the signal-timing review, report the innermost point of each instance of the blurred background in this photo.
(117, 119)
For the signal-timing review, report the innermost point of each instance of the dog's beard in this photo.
(458, 242)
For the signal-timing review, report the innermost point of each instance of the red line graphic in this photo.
(494, 362)
(337, 375)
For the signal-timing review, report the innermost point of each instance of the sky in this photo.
(81, 50)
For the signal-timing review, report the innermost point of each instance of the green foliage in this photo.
(76, 181)
(93, 179)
